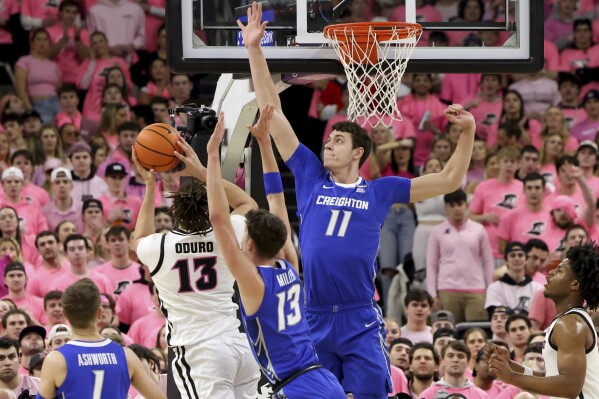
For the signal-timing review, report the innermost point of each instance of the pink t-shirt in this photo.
(572, 59)
(39, 9)
(417, 336)
(510, 391)
(153, 23)
(40, 284)
(43, 76)
(33, 220)
(130, 205)
(492, 196)
(573, 115)
(61, 283)
(398, 381)
(469, 390)
(120, 278)
(62, 119)
(152, 90)
(29, 383)
(551, 56)
(486, 114)
(457, 86)
(143, 331)
(35, 195)
(538, 94)
(427, 13)
(67, 59)
(9, 7)
(32, 304)
(557, 31)
(520, 224)
(585, 130)
(549, 174)
(135, 302)
(56, 216)
(542, 310)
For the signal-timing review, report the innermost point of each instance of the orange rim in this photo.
(382, 31)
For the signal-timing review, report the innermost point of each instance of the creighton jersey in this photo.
(95, 369)
(278, 332)
(590, 388)
(340, 229)
(194, 285)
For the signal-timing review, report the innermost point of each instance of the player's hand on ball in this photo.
(193, 166)
(148, 175)
(213, 147)
(262, 127)
(457, 115)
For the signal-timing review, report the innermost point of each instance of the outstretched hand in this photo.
(148, 175)
(457, 115)
(193, 166)
(213, 147)
(253, 32)
(261, 129)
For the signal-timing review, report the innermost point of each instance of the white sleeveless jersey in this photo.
(590, 389)
(194, 285)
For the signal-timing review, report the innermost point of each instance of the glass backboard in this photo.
(203, 36)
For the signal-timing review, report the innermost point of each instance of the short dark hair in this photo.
(146, 354)
(427, 346)
(493, 75)
(457, 197)
(582, 21)
(511, 129)
(535, 243)
(11, 117)
(418, 295)
(564, 77)
(52, 296)
(76, 237)
(584, 263)
(127, 127)
(534, 176)
(359, 137)
(80, 303)
(561, 161)
(398, 341)
(158, 100)
(68, 3)
(457, 346)
(537, 347)
(21, 153)
(7, 343)
(45, 233)
(67, 87)
(529, 148)
(267, 231)
(574, 227)
(190, 207)
(13, 312)
(116, 231)
(517, 316)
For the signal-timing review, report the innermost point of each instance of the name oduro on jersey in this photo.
(194, 247)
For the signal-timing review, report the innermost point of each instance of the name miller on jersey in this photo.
(341, 201)
(95, 359)
(194, 247)
(285, 279)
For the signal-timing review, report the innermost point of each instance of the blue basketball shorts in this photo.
(315, 384)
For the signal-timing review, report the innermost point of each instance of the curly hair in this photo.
(584, 263)
(190, 207)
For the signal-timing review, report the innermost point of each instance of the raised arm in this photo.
(272, 181)
(145, 224)
(249, 281)
(239, 200)
(266, 93)
(452, 175)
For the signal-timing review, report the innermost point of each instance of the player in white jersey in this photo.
(195, 288)
(570, 347)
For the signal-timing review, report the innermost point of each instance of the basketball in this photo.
(155, 146)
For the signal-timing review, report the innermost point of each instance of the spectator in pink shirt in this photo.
(155, 12)
(69, 103)
(37, 14)
(15, 279)
(459, 262)
(53, 264)
(76, 247)
(588, 128)
(53, 313)
(63, 206)
(588, 162)
(37, 77)
(158, 84)
(47, 155)
(127, 133)
(85, 183)
(119, 269)
(93, 219)
(418, 304)
(486, 105)
(14, 321)
(143, 331)
(119, 208)
(538, 93)
(583, 54)
(530, 162)
(493, 198)
(569, 88)
(518, 330)
(34, 195)
(13, 243)
(135, 301)
(572, 183)
(14, 378)
(70, 43)
(513, 111)
(399, 353)
(455, 357)
(558, 27)
(458, 86)
(31, 342)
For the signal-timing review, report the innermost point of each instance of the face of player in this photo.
(518, 333)
(456, 212)
(575, 237)
(516, 261)
(14, 325)
(118, 245)
(535, 359)
(423, 364)
(529, 163)
(508, 166)
(338, 151)
(12, 187)
(400, 356)
(534, 190)
(559, 281)
(77, 253)
(81, 162)
(440, 343)
(8, 221)
(393, 332)
(455, 363)
(474, 342)
(54, 312)
(15, 281)
(32, 344)
(535, 259)
(9, 364)
(482, 371)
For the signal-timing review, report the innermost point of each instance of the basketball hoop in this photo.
(374, 56)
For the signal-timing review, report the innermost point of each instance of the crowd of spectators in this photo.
(89, 74)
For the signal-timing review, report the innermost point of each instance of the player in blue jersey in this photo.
(272, 297)
(341, 216)
(91, 366)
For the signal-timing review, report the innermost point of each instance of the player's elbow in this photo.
(216, 219)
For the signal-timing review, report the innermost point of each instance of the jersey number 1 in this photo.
(207, 279)
(333, 223)
(98, 383)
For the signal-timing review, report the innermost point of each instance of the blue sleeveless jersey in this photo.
(340, 226)
(95, 370)
(278, 332)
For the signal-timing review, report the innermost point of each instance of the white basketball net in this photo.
(373, 86)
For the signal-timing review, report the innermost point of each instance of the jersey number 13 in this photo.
(206, 280)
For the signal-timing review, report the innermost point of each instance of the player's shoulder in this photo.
(55, 360)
